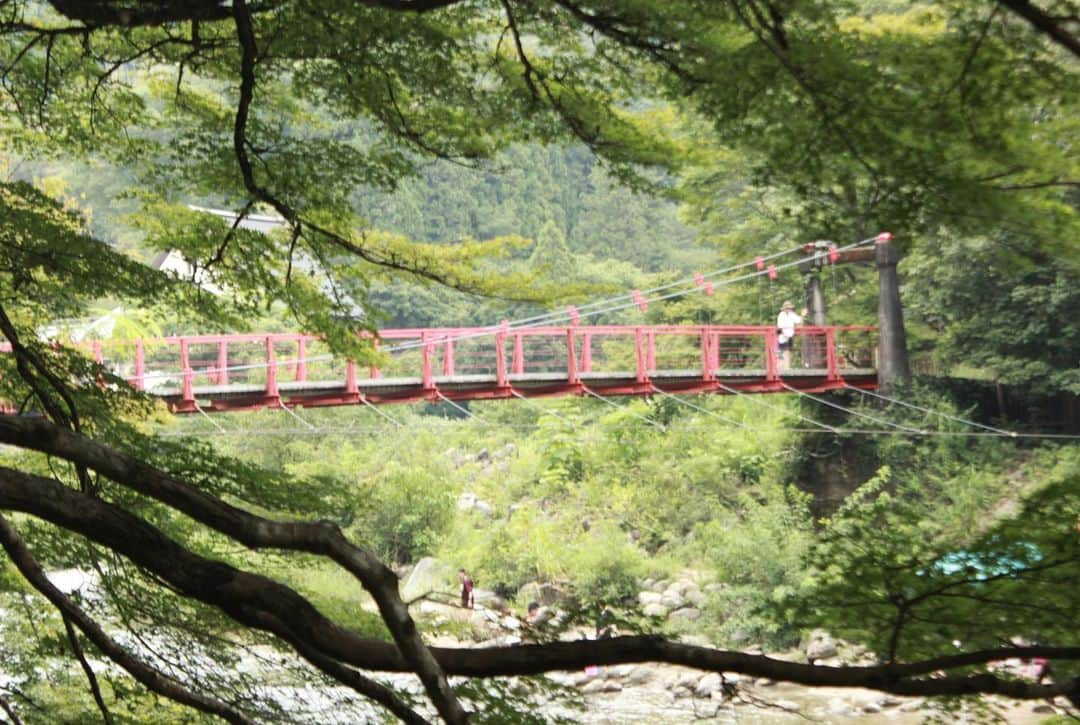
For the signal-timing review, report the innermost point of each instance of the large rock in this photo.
(545, 594)
(709, 684)
(686, 613)
(821, 646)
(429, 575)
(471, 502)
(654, 610)
(647, 598)
(672, 599)
(489, 599)
(694, 596)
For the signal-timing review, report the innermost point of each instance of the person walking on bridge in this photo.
(785, 330)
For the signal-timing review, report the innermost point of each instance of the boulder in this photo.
(594, 686)
(654, 610)
(545, 594)
(680, 692)
(640, 675)
(912, 705)
(694, 596)
(822, 646)
(489, 599)
(686, 613)
(672, 599)
(709, 684)
(647, 598)
(429, 575)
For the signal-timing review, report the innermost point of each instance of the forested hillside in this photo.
(448, 163)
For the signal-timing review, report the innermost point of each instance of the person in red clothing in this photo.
(466, 589)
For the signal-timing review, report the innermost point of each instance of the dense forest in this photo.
(443, 163)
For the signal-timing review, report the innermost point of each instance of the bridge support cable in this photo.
(850, 411)
(462, 409)
(754, 399)
(622, 302)
(965, 421)
(386, 416)
(296, 415)
(625, 409)
(213, 422)
(544, 410)
(706, 411)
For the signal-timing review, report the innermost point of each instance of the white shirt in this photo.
(785, 322)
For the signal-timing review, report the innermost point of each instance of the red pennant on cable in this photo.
(709, 289)
(699, 280)
(639, 300)
(572, 312)
(772, 272)
(759, 262)
(834, 254)
(883, 238)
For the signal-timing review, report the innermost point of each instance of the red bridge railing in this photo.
(242, 371)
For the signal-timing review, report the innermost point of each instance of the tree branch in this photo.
(1044, 23)
(95, 688)
(262, 603)
(150, 677)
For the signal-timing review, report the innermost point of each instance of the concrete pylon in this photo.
(815, 299)
(893, 366)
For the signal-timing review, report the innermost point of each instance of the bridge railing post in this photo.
(351, 388)
(707, 372)
(187, 393)
(518, 365)
(139, 381)
(301, 359)
(271, 369)
(222, 376)
(448, 357)
(832, 364)
(572, 376)
(501, 379)
(650, 352)
(374, 373)
(639, 355)
(586, 352)
(772, 364)
(426, 372)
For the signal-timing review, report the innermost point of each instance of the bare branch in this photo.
(148, 676)
(1044, 23)
(95, 688)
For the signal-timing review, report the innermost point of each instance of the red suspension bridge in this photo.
(251, 371)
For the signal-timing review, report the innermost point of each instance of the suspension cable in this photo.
(965, 421)
(754, 399)
(850, 411)
(624, 408)
(706, 411)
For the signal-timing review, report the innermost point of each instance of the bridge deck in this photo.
(238, 372)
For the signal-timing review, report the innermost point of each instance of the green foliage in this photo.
(1004, 308)
(927, 564)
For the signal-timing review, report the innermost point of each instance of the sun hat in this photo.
(787, 305)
